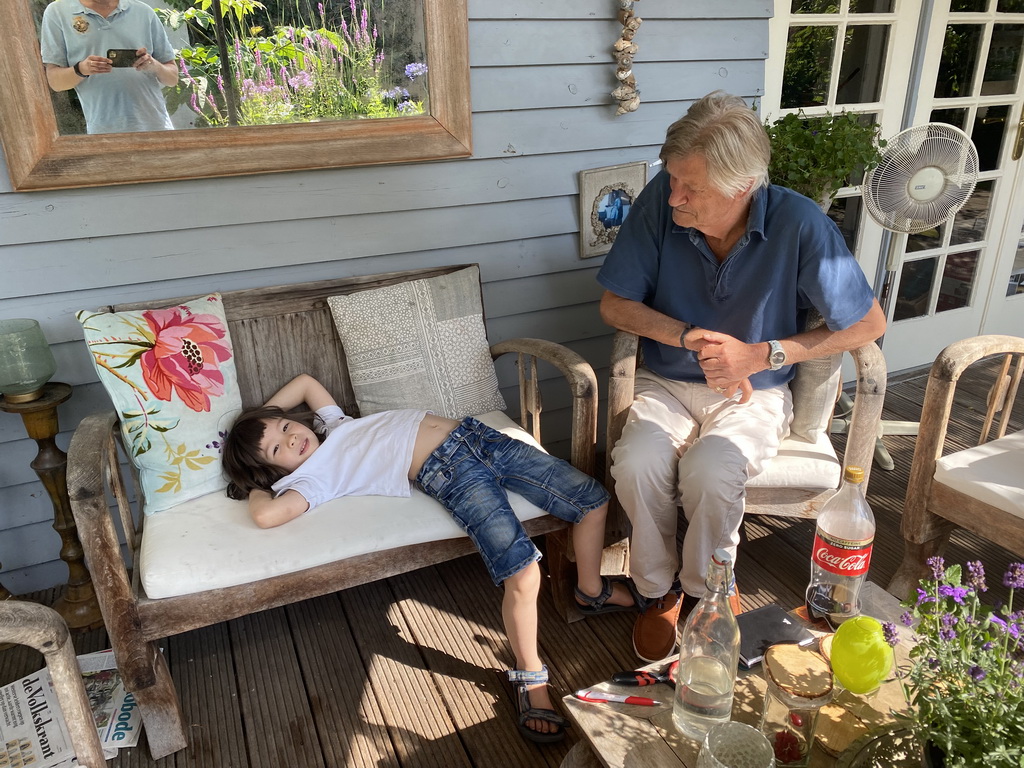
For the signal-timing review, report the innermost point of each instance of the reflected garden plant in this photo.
(336, 68)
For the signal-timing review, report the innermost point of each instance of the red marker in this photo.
(600, 696)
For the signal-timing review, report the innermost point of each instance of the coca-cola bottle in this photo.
(842, 552)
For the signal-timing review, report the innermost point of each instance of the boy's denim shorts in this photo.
(470, 473)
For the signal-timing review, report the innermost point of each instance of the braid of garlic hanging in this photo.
(624, 49)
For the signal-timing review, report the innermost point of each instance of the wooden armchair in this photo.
(978, 488)
(792, 483)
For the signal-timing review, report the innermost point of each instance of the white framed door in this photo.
(953, 61)
(953, 282)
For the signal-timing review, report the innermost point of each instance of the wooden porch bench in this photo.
(264, 324)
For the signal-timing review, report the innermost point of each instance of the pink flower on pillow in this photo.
(185, 356)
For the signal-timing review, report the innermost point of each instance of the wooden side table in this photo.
(78, 606)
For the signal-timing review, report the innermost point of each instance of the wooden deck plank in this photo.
(463, 643)
(273, 697)
(349, 721)
(417, 719)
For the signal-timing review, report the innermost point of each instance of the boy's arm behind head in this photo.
(302, 389)
(269, 511)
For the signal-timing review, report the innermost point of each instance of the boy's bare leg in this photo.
(519, 612)
(588, 542)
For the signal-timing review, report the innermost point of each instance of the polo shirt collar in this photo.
(755, 219)
(121, 7)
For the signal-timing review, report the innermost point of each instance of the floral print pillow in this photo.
(171, 376)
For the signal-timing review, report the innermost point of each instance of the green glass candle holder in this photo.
(26, 362)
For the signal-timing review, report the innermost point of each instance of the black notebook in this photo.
(763, 627)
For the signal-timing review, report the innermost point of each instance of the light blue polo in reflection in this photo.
(123, 100)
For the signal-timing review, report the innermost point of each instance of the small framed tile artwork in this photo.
(606, 195)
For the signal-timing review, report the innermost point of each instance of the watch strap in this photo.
(78, 72)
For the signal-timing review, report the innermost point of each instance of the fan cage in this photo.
(887, 187)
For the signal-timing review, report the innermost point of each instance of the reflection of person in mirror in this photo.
(75, 37)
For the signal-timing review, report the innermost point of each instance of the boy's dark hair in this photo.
(246, 469)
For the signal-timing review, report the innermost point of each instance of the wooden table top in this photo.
(629, 736)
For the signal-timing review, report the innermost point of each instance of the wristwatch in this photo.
(776, 355)
(79, 72)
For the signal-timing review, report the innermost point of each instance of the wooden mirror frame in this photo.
(38, 157)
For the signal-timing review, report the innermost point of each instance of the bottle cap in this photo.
(854, 475)
(722, 557)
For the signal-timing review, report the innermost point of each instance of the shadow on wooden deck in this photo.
(409, 671)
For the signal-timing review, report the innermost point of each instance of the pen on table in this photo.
(601, 696)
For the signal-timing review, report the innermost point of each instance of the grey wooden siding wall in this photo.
(541, 76)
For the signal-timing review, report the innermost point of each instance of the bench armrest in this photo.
(582, 383)
(93, 467)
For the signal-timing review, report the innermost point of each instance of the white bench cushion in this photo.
(211, 542)
(801, 464)
(992, 473)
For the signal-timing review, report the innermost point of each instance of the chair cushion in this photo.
(992, 473)
(419, 344)
(170, 374)
(211, 542)
(801, 464)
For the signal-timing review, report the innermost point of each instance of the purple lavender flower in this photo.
(220, 83)
(1014, 578)
(938, 566)
(414, 70)
(924, 597)
(947, 634)
(907, 618)
(890, 633)
(406, 106)
(976, 576)
(977, 673)
(957, 593)
(320, 7)
(193, 102)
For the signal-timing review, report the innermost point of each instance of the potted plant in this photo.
(965, 681)
(815, 155)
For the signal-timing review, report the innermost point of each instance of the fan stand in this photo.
(844, 404)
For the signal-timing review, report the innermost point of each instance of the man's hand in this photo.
(726, 361)
(166, 73)
(95, 65)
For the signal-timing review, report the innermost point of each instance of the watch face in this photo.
(778, 358)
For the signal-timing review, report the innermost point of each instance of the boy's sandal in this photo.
(591, 606)
(520, 679)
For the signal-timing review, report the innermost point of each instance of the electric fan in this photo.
(925, 176)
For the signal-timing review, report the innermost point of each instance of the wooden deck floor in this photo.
(408, 672)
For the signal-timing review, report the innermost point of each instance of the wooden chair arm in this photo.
(43, 628)
(867, 408)
(582, 383)
(92, 464)
(918, 525)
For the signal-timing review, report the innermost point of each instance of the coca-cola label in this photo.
(841, 556)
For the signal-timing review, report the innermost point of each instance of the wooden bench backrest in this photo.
(280, 332)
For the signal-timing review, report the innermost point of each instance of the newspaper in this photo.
(32, 729)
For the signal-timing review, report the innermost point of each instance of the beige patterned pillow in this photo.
(419, 344)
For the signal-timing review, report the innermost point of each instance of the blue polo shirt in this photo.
(122, 100)
(791, 258)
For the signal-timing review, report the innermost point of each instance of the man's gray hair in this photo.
(728, 134)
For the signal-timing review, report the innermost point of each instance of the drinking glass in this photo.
(735, 745)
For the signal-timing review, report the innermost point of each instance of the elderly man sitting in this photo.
(716, 269)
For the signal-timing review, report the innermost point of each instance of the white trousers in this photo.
(686, 445)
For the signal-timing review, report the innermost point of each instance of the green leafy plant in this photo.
(964, 682)
(817, 155)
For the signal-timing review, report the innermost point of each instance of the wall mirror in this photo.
(40, 156)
